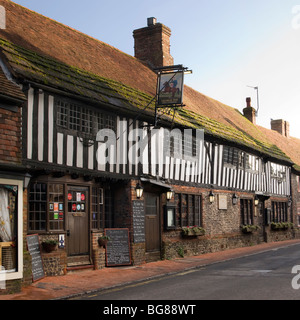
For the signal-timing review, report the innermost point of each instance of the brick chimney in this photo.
(281, 126)
(249, 112)
(152, 44)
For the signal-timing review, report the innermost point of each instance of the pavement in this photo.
(77, 284)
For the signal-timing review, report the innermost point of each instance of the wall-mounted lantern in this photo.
(290, 201)
(139, 191)
(211, 197)
(170, 194)
(234, 199)
(27, 178)
(256, 201)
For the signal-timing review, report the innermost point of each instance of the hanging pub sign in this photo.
(170, 88)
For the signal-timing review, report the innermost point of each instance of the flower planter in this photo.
(281, 226)
(193, 232)
(102, 241)
(49, 247)
(249, 229)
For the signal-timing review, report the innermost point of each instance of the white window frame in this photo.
(19, 273)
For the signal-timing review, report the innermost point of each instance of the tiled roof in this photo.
(43, 70)
(42, 50)
(9, 89)
(50, 38)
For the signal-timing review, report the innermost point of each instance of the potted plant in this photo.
(102, 241)
(49, 245)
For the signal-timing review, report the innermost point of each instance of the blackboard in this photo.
(33, 245)
(117, 248)
(138, 221)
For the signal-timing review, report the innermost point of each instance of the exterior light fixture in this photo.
(256, 201)
(290, 201)
(169, 194)
(234, 199)
(139, 191)
(27, 178)
(211, 197)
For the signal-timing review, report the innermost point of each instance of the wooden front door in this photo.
(78, 221)
(152, 222)
(261, 218)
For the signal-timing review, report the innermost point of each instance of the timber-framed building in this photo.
(239, 186)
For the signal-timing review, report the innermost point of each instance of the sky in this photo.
(231, 45)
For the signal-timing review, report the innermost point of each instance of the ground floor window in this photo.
(279, 212)
(188, 210)
(49, 203)
(11, 207)
(97, 208)
(246, 211)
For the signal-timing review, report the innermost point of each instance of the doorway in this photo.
(78, 221)
(261, 218)
(152, 227)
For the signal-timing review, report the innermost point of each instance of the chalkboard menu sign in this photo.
(138, 221)
(33, 245)
(117, 248)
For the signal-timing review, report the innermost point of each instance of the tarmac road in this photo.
(263, 276)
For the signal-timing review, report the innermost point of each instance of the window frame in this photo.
(104, 215)
(184, 209)
(247, 211)
(97, 208)
(19, 273)
(47, 208)
(66, 109)
(279, 211)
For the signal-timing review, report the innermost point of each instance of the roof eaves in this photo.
(53, 73)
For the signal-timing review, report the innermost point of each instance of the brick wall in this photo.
(10, 136)
(296, 203)
(152, 45)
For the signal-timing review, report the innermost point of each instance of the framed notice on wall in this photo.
(222, 202)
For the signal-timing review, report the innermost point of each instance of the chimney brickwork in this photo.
(249, 112)
(281, 126)
(152, 44)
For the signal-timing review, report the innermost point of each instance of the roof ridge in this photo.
(73, 29)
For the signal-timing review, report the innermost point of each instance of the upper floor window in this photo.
(239, 159)
(233, 156)
(278, 171)
(252, 162)
(79, 118)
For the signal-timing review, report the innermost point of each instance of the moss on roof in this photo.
(48, 71)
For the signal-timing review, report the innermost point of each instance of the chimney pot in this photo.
(151, 21)
(248, 100)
